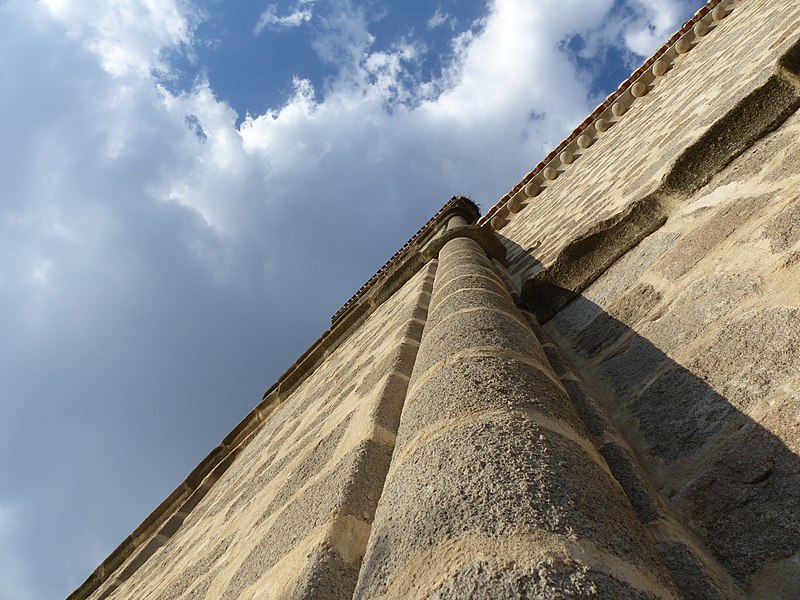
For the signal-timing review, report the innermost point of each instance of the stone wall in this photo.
(603, 403)
(693, 340)
(659, 146)
(291, 516)
(666, 263)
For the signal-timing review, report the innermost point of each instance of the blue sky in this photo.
(191, 189)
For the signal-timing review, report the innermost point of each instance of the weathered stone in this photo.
(743, 502)
(605, 329)
(593, 417)
(476, 384)
(783, 232)
(692, 577)
(633, 366)
(678, 413)
(495, 478)
(752, 355)
(508, 434)
(627, 473)
(699, 242)
(698, 308)
(552, 578)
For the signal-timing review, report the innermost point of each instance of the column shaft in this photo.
(494, 489)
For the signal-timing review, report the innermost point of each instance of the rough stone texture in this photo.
(704, 382)
(678, 413)
(744, 501)
(622, 276)
(692, 577)
(553, 579)
(783, 231)
(490, 446)
(676, 113)
(695, 246)
(752, 355)
(649, 450)
(607, 327)
(626, 472)
(291, 516)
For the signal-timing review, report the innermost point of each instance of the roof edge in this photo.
(166, 519)
(587, 126)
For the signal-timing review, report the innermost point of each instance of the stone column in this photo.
(494, 490)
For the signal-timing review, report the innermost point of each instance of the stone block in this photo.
(752, 355)
(694, 580)
(593, 417)
(642, 497)
(783, 231)
(697, 244)
(497, 479)
(494, 383)
(484, 327)
(632, 366)
(678, 413)
(744, 502)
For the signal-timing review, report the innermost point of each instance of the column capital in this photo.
(493, 247)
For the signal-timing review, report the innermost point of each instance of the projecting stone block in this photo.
(639, 89)
(532, 189)
(683, 45)
(584, 141)
(660, 67)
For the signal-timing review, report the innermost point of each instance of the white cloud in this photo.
(654, 22)
(637, 27)
(156, 280)
(128, 35)
(302, 13)
(438, 19)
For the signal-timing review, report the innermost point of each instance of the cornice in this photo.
(608, 114)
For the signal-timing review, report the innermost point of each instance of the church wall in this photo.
(652, 421)
(694, 337)
(686, 268)
(291, 516)
(629, 162)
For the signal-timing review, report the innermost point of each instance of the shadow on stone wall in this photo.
(729, 479)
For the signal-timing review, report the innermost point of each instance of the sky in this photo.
(189, 189)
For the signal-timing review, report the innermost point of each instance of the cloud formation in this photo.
(301, 13)
(438, 18)
(160, 265)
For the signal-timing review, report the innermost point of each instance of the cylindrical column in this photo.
(494, 490)
(455, 222)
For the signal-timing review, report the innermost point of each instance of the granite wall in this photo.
(603, 401)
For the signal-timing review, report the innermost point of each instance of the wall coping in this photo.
(647, 74)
